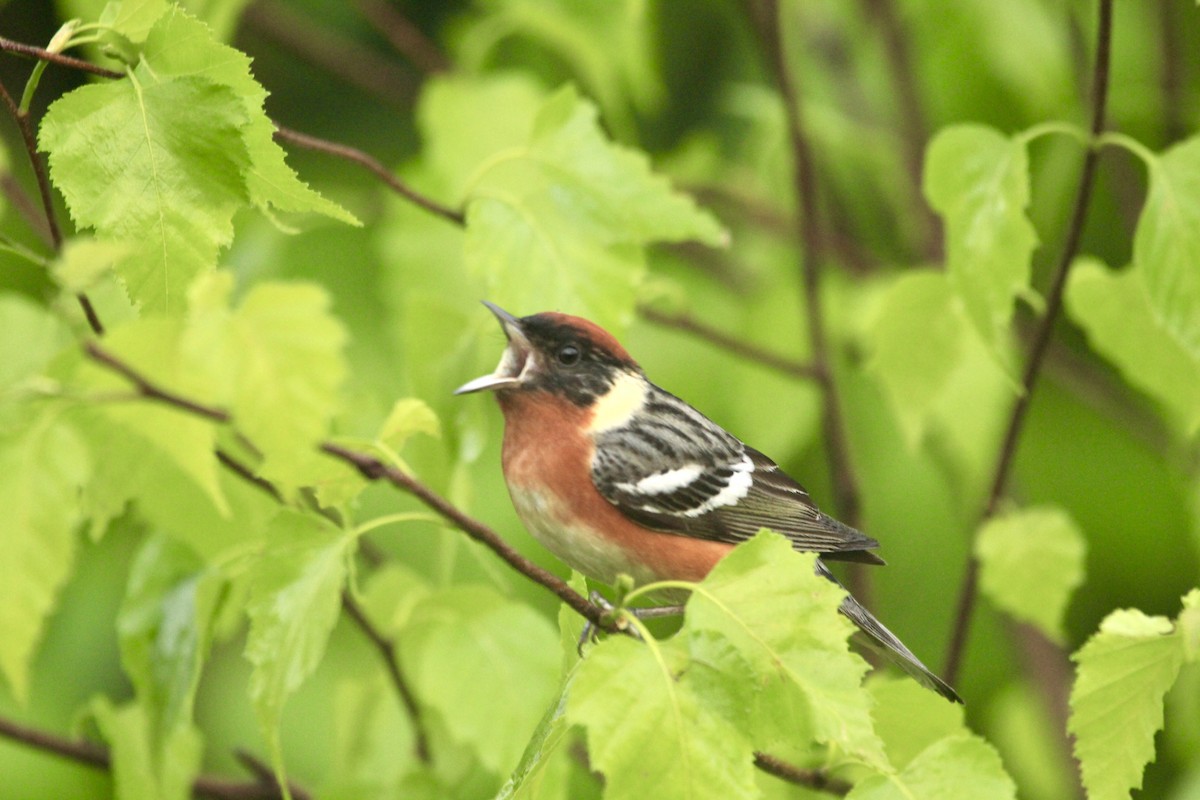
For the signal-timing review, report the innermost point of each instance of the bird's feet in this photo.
(612, 616)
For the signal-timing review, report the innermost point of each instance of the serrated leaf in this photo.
(561, 221)
(408, 416)
(1030, 562)
(916, 342)
(275, 362)
(648, 730)
(156, 164)
(152, 347)
(163, 629)
(943, 771)
(147, 764)
(43, 464)
(83, 260)
(978, 180)
(763, 610)
(180, 46)
(1117, 701)
(487, 665)
(31, 338)
(1121, 324)
(295, 597)
(1166, 246)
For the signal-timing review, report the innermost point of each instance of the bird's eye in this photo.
(568, 355)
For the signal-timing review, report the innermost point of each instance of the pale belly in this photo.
(581, 549)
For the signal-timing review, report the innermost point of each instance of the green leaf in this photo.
(910, 718)
(152, 347)
(84, 260)
(978, 180)
(1030, 562)
(649, 732)
(1122, 325)
(157, 165)
(43, 464)
(916, 342)
(1117, 701)
(164, 629)
(147, 765)
(539, 774)
(1189, 625)
(943, 771)
(561, 221)
(1166, 247)
(32, 336)
(485, 664)
(408, 416)
(180, 46)
(371, 741)
(295, 597)
(275, 362)
(763, 609)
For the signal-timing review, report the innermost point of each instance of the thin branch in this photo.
(338, 54)
(265, 776)
(403, 35)
(813, 245)
(1041, 340)
(738, 347)
(19, 199)
(373, 166)
(387, 651)
(95, 755)
(811, 778)
(43, 184)
(150, 390)
(373, 469)
(8, 45)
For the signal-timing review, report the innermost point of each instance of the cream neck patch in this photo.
(624, 399)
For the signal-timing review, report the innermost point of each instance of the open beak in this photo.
(514, 364)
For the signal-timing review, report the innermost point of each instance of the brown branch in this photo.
(387, 651)
(1041, 340)
(403, 35)
(813, 244)
(738, 347)
(811, 778)
(95, 755)
(339, 55)
(25, 206)
(8, 45)
(43, 184)
(373, 469)
(373, 166)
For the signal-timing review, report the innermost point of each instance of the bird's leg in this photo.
(611, 612)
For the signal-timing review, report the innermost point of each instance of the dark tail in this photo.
(879, 639)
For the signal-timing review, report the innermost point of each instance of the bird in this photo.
(617, 476)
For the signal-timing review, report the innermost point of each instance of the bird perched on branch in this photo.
(615, 475)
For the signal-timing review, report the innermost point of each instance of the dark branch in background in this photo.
(813, 245)
(95, 755)
(403, 35)
(321, 45)
(1041, 340)
(812, 778)
(738, 347)
(912, 119)
(373, 166)
(1172, 66)
(387, 651)
(23, 203)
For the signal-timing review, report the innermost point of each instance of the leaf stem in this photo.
(968, 592)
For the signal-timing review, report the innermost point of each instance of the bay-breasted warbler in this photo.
(616, 475)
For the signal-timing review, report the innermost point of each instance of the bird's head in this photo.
(557, 353)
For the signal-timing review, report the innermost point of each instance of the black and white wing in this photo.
(672, 469)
